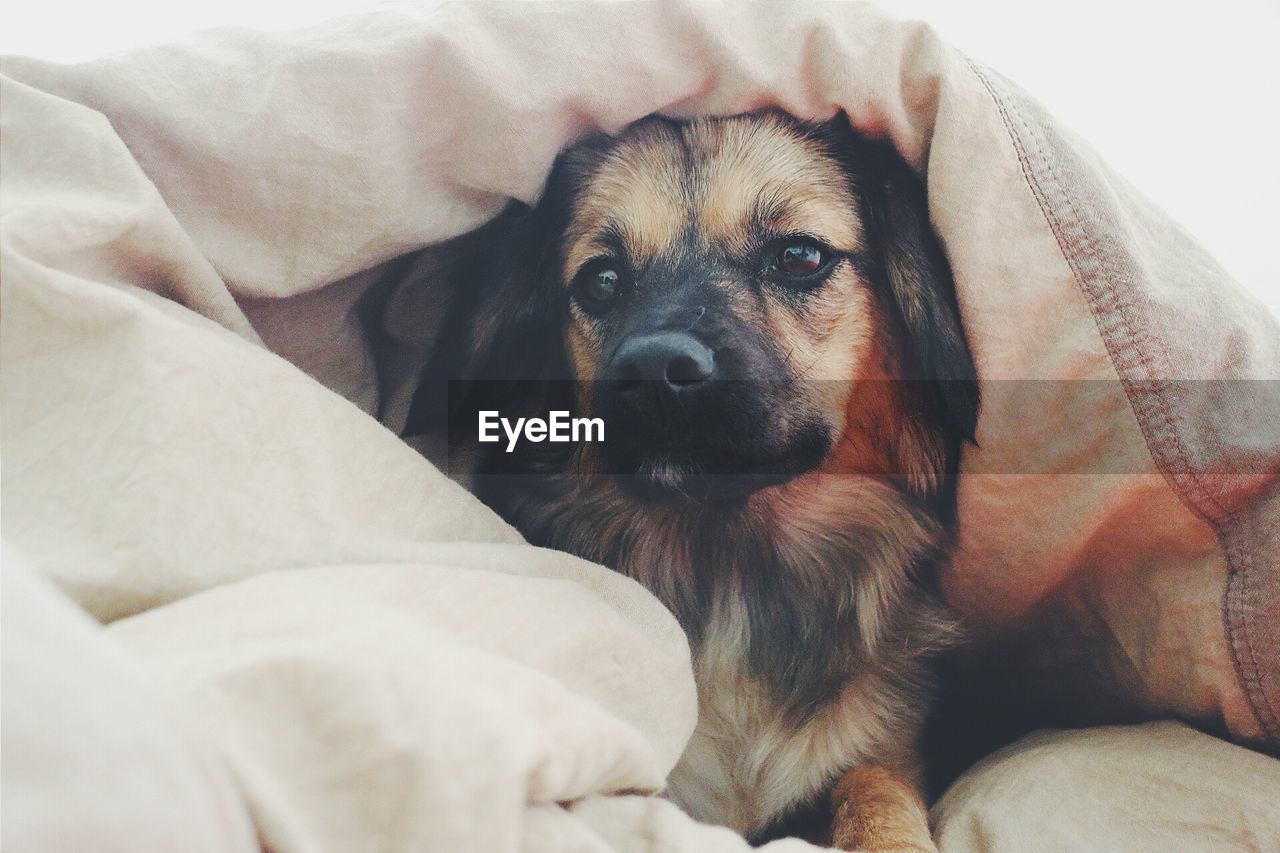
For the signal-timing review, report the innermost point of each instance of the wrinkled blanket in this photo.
(199, 429)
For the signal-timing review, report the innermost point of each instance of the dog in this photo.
(757, 309)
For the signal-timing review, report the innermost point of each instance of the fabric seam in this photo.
(1155, 418)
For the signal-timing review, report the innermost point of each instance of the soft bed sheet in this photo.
(198, 429)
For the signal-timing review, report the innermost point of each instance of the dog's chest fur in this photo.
(809, 636)
(750, 763)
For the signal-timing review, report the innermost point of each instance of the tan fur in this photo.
(879, 810)
(877, 439)
(747, 760)
(639, 190)
(760, 165)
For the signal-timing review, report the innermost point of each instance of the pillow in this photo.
(1157, 786)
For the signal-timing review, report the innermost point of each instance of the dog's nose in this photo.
(676, 360)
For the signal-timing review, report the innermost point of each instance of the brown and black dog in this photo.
(761, 316)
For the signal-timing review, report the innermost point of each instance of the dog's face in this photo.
(718, 304)
(724, 293)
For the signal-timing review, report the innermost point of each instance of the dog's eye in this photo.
(800, 259)
(603, 286)
(597, 286)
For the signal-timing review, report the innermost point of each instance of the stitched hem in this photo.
(1133, 353)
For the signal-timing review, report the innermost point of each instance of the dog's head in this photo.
(740, 300)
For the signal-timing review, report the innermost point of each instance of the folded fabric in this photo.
(178, 218)
(96, 756)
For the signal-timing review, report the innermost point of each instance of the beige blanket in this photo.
(378, 660)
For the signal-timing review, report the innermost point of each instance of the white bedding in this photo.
(363, 652)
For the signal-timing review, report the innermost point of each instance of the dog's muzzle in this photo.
(682, 419)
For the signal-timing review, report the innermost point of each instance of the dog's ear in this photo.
(918, 276)
(500, 331)
(502, 339)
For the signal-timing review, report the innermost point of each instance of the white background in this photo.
(1182, 98)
